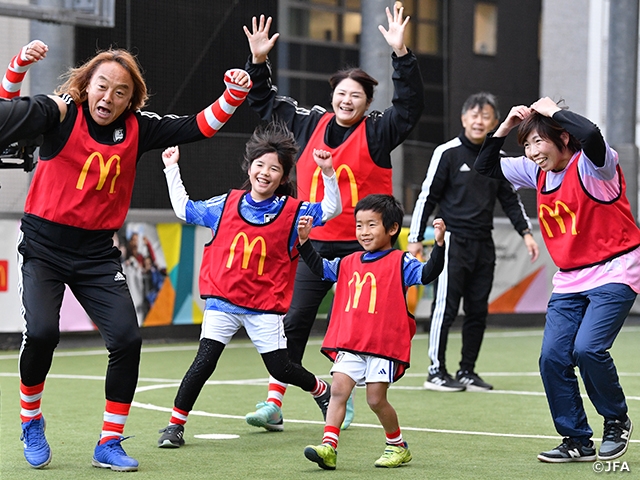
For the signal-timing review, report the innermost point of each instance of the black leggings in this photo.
(204, 364)
(98, 284)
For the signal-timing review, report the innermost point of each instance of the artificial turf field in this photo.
(464, 435)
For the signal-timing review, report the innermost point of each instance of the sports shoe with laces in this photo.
(323, 401)
(394, 456)
(36, 448)
(472, 381)
(615, 439)
(111, 455)
(171, 436)
(348, 414)
(268, 415)
(324, 455)
(443, 382)
(570, 450)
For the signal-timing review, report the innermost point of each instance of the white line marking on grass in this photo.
(315, 341)
(149, 406)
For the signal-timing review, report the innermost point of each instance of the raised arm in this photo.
(18, 66)
(177, 192)
(259, 41)
(394, 35)
(311, 258)
(434, 266)
(211, 119)
(331, 201)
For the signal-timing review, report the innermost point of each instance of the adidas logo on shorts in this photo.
(119, 277)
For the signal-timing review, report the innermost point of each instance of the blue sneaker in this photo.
(348, 414)
(36, 448)
(111, 455)
(268, 415)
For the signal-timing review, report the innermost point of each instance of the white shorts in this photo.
(364, 368)
(265, 330)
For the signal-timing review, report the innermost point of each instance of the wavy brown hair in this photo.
(78, 78)
(273, 137)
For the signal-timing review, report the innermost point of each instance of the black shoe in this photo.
(171, 437)
(443, 382)
(472, 381)
(615, 439)
(323, 401)
(570, 450)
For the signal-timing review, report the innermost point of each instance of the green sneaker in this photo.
(394, 456)
(324, 455)
(268, 415)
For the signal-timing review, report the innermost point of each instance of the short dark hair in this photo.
(273, 137)
(481, 99)
(357, 74)
(388, 207)
(548, 129)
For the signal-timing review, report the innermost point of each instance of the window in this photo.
(323, 20)
(423, 30)
(485, 29)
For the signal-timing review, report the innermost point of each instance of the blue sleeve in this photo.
(412, 270)
(330, 269)
(205, 213)
(306, 209)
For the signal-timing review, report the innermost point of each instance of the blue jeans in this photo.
(579, 331)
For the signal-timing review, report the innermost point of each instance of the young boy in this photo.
(369, 337)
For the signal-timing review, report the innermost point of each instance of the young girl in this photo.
(248, 268)
(591, 235)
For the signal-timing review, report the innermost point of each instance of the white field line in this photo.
(315, 341)
(174, 383)
(263, 382)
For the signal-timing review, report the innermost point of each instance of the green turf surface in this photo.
(463, 435)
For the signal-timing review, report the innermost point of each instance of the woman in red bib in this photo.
(588, 227)
(361, 145)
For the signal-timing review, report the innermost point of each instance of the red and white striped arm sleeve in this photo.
(13, 77)
(213, 118)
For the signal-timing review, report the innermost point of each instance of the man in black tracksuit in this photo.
(466, 203)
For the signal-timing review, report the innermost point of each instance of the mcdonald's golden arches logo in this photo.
(105, 167)
(357, 291)
(247, 250)
(352, 183)
(4, 275)
(559, 216)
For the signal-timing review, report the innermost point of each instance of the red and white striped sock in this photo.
(13, 77)
(276, 391)
(178, 417)
(213, 118)
(115, 416)
(30, 399)
(395, 438)
(320, 388)
(331, 436)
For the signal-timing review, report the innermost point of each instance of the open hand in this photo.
(395, 34)
(259, 41)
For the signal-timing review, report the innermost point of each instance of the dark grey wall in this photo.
(513, 75)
